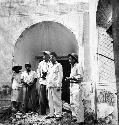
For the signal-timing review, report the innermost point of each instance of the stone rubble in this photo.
(35, 119)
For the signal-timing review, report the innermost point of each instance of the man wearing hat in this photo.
(42, 71)
(75, 78)
(54, 85)
(16, 98)
(29, 78)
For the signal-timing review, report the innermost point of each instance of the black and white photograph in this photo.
(59, 62)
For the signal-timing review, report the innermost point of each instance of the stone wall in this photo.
(16, 15)
(115, 29)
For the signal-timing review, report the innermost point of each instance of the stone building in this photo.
(28, 27)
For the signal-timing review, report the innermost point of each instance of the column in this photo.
(93, 39)
(115, 25)
(93, 43)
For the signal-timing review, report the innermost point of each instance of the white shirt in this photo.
(55, 75)
(28, 77)
(16, 81)
(76, 72)
(42, 67)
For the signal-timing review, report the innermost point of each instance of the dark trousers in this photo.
(25, 98)
(43, 101)
(29, 98)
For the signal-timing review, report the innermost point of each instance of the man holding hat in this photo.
(42, 71)
(54, 85)
(16, 98)
(29, 78)
(75, 78)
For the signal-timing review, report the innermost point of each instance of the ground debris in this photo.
(7, 117)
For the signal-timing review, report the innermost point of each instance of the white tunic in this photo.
(28, 77)
(76, 72)
(16, 88)
(55, 75)
(42, 67)
(16, 81)
(76, 93)
(54, 82)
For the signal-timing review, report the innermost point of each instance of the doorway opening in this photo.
(46, 35)
(65, 84)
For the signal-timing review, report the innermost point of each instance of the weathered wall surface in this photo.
(115, 26)
(16, 15)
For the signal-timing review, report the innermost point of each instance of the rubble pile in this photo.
(7, 117)
(35, 119)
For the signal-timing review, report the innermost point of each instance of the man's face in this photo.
(46, 57)
(18, 71)
(71, 60)
(52, 58)
(28, 68)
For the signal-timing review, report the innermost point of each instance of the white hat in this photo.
(46, 52)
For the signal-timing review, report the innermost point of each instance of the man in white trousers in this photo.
(76, 77)
(54, 85)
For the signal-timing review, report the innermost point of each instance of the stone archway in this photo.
(46, 35)
(51, 36)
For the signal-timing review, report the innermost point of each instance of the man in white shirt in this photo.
(42, 71)
(54, 85)
(29, 79)
(16, 97)
(76, 77)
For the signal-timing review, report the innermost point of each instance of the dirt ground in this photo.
(31, 118)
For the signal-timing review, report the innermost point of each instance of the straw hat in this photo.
(16, 68)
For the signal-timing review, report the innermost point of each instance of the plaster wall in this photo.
(16, 15)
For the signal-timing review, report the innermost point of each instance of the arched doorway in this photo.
(46, 35)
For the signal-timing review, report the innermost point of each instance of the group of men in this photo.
(49, 77)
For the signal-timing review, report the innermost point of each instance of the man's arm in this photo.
(32, 83)
(34, 79)
(22, 79)
(39, 70)
(78, 77)
(79, 74)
